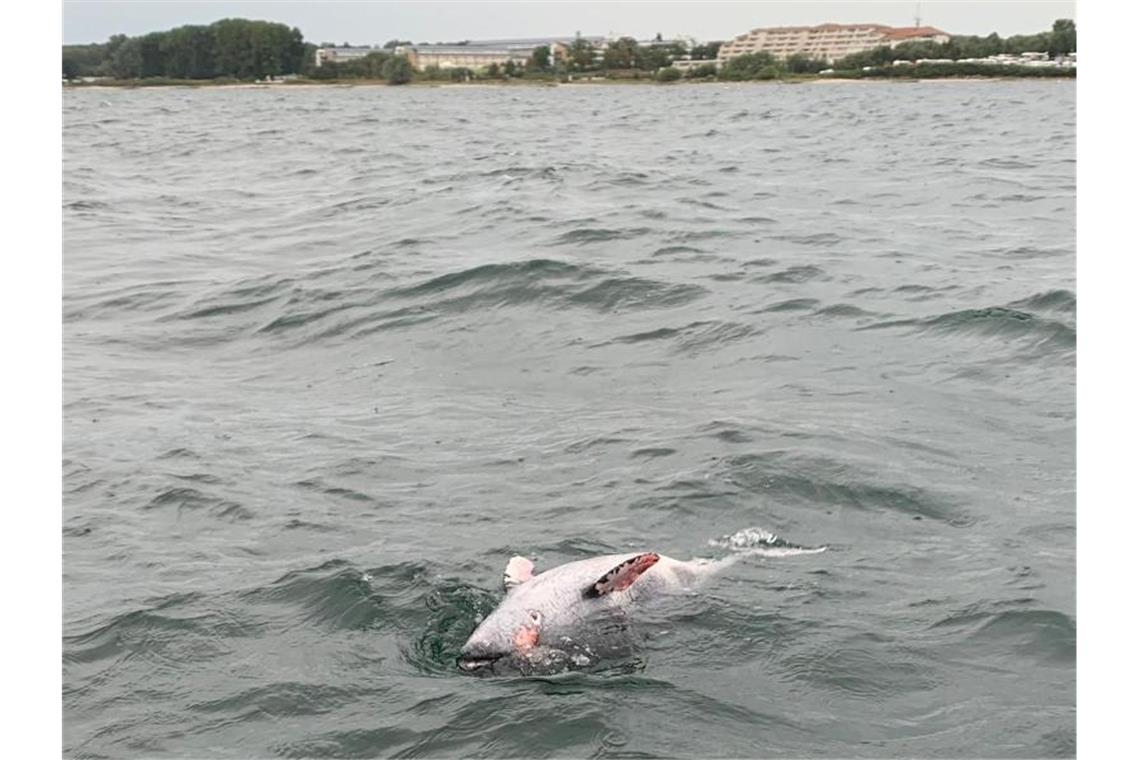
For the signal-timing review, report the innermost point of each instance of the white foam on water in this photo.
(785, 551)
(757, 541)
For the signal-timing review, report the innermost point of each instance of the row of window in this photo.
(784, 48)
(814, 37)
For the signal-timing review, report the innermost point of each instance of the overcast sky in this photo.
(375, 22)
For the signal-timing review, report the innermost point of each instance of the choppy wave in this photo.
(833, 484)
(1000, 323)
(695, 336)
(1053, 300)
(285, 305)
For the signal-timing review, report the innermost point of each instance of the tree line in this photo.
(235, 48)
(955, 69)
(243, 49)
(380, 64)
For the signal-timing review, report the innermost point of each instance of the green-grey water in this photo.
(333, 355)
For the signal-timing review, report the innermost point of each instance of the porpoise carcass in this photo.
(574, 615)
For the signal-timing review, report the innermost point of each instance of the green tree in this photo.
(326, 72)
(704, 71)
(653, 57)
(231, 47)
(308, 63)
(540, 58)
(1063, 40)
(70, 68)
(255, 49)
(398, 70)
(493, 71)
(650, 58)
(188, 52)
(964, 46)
(910, 51)
(393, 44)
(510, 68)
(622, 53)
(127, 61)
(150, 56)
(750, 66)
(705, 52)
(668, 74)
(1028, 43)
(803, 64)
(114, 41)
(992, 45)
(880, 56)
(370, 66)
(86, 60)
(581, 55)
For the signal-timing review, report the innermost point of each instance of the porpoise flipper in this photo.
(519, 570)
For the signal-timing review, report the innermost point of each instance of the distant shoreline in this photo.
(142, 84)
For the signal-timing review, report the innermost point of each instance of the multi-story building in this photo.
(482, 53)
(461, 56)
(897, 35)
(829, 42)
(685, 43)
(342, 54)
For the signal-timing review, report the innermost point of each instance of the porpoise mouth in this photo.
(475, 663)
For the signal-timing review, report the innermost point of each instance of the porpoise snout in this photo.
(478, 657)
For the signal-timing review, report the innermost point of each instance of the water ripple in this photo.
(333, 355)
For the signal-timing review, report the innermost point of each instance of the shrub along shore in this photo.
(917, 72)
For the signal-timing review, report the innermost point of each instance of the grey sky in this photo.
(375, 22)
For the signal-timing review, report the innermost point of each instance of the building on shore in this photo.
(341, 54)
(682, 42)
(461, 56)
(685, 64)
(480, 54)
(828, 42)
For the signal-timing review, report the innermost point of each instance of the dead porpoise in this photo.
(574, 615)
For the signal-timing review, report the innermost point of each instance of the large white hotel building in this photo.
(829, 42)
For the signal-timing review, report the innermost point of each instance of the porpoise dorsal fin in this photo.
(519, 570)
(622, 576)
